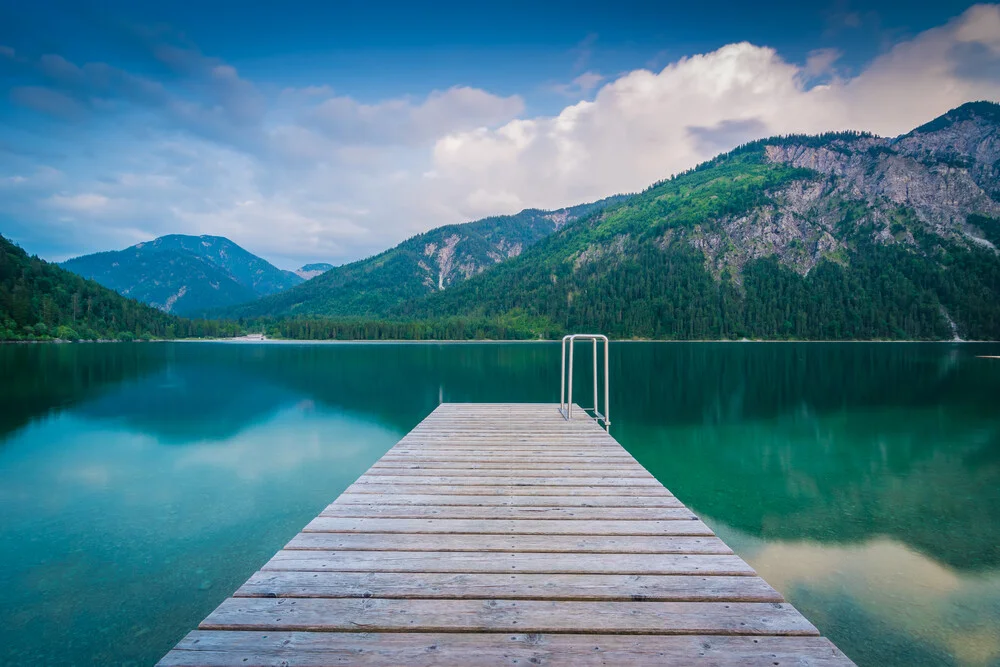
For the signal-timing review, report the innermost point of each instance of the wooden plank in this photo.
(510, 449)
(482, 462)
(487, 430)
(456, 436)
(474, 490)
(549, 513)
(381, 615)
(507, 526)
(606, 473)
(541, 563)
(520, 586)
(318, 649)
(422, 468)
(507, 481)
(489, 457)
(493, 453)
(635, 544)
(454, 439)
(498, 500)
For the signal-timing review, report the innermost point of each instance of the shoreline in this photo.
(307, 341)
(554, 341)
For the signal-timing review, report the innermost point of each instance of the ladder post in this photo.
(607, 398)
(569, 403)
(596, 404)
(562, 377)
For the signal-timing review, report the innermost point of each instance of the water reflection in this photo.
(893, 605)
(140, 484)
(924, 475)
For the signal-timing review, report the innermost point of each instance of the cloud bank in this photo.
(101, 157)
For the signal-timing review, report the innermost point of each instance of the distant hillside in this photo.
(185, 274)
(310, 271)
(839, 236)
(39, 300)
(431, 262)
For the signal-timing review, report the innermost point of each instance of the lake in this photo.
(140, 484)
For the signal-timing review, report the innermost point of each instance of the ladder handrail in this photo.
(566, 405)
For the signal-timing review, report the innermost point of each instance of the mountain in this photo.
(310, 271)
(431, 262)
(39, 301)
(185, 274)
(839, 236)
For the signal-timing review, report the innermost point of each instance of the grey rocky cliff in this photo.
(932, 178)
(942, 175)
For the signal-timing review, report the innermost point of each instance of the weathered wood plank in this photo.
(511, 470)
(381, 615)
(474, 490)
(504, 463)
(462, 561)
(508, 481)
(494, 453)
(497, 500)
(635, 544)
(392, 458)
(507, 526)
(510, 448)
(518, 586)
(550, 513)
(318, 649)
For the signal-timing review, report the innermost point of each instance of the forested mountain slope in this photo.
(39, 300)
(185, 274)
(434, 261)
(840, 236)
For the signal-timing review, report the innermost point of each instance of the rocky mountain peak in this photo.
(942, 172)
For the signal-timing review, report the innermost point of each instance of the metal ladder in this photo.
(566, 403)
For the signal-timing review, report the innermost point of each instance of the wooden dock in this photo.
(504, 534)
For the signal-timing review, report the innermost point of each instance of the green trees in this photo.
(40, 301)
(637, 270)
(451, 328)
(371, 287)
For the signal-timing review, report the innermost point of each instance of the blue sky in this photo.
(327, 131)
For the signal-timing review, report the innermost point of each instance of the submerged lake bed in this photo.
(140, 484)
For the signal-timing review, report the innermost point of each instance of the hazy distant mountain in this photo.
(430, 262)
(310, 271)
(185, 274)
(843, 235)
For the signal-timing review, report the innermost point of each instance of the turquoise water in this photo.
(140, 484)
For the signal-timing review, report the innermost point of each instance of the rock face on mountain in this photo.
(431, 262)
(185, 274)
(844, 235)
(936, 176)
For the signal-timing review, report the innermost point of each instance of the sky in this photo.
(329, 131)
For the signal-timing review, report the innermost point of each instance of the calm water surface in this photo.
(140, 484)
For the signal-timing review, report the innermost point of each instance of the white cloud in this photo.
(580, 86)
(45, 100)
(820, 62)
(401, 121)
(86, 202)
(311, 174)
(647, 125)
